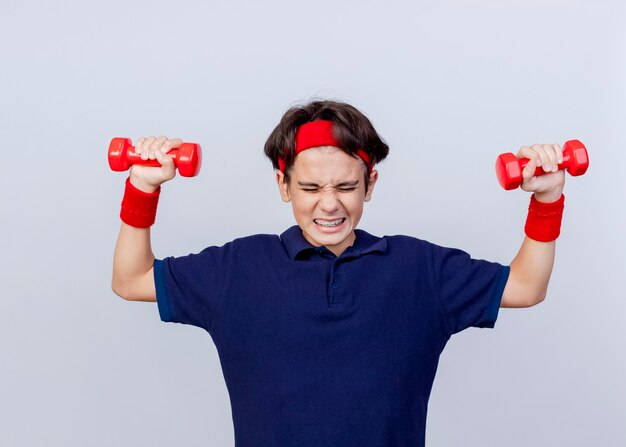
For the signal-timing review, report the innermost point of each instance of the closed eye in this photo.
(340, 189)
(345, 186)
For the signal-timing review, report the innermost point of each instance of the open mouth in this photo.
(329, 223)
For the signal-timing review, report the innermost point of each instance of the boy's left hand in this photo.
(547, 187)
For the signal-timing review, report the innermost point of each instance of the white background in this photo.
(448, 84)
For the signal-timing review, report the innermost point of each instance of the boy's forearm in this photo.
(534, 261)
(133, 256)
(530, 271)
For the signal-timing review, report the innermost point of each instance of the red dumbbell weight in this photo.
(509, 168)
(187, 158)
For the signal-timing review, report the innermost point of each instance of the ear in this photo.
(283, 187)
(370, 189)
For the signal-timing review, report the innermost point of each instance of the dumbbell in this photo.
(187, 158)
(509, 168)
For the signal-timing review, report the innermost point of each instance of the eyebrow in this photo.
(342, 184)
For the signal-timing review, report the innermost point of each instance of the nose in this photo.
(329, 203)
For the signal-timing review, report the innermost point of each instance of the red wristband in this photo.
(543, 223)
(139, 207)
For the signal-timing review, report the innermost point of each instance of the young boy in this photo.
(328, 335)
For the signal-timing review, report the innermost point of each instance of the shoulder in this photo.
(401, 248)
(246, 246)
(404, 242)
(256, 240)
(420, 251)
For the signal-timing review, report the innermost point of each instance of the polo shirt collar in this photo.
(296, 244)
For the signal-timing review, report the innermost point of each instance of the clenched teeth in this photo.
(332, 223)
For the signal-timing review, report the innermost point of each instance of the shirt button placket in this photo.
(335, 284)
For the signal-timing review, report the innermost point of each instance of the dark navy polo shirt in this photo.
(326, 351)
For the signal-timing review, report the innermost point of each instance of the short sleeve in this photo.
(189, 288)
(470, 290)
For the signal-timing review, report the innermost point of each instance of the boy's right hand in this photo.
(149, 178)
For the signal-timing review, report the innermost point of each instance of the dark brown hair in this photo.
(351, 129)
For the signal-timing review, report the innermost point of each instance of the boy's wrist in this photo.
(549, 196)
(139, 207)
(142, 186)
(543, 222)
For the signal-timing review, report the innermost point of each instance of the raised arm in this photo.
(532, 266)
(133, 259)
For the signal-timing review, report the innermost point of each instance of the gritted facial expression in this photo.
(327, 193)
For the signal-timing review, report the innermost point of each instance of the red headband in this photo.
(315, 134)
